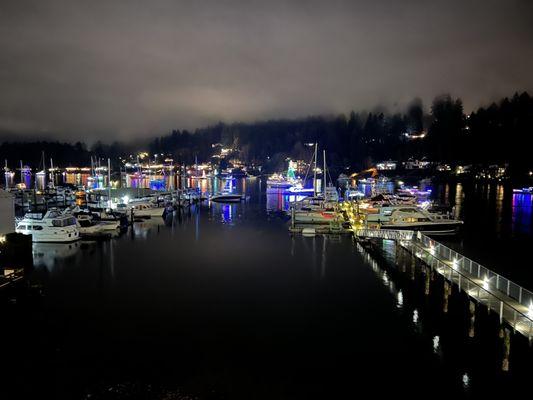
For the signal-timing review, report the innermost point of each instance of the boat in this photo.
(416, 219)
(315, 217)
(320, 208)
(98, 215)
(413, 191)
(383, 213)
(147, 209)
(54, 226)
(525, 190)
(90, 227)
(227, 195)
(299, 189)
(353, 193)
(278, 181)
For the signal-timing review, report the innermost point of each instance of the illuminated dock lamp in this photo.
(455, 263)
(486, 282)
(530, 310)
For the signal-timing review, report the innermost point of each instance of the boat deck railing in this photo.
(512, 302)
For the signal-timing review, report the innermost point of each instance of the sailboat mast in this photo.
(325, 174)
(44, 173)
(52, 172)
(109, 172)
(109, 182)
(314, 169)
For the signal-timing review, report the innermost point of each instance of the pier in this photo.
(512, 302)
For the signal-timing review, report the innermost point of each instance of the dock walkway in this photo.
(513, 303)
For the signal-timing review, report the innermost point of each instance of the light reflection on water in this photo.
(522, 213)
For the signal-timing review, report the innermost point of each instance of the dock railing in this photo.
(511, 301)
(490, 278)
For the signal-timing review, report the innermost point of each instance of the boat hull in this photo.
(227, 198)
(315, 218)
(447, 228)
(54, 238)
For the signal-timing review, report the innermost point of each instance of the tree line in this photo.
(494, 134)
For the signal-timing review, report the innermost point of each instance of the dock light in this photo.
(126, 199)
(436, 343)
(530, 310)
(466, 380)
(486, 282)
(455, 263)
(400, 298)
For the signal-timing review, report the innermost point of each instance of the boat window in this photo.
(69, 221)
(64, 222)
(37, 228)
(23, 227)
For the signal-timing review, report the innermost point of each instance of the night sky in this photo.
(125, 69)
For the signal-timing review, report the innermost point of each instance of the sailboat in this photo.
(197, 173)
(320, 208)
(299, 188)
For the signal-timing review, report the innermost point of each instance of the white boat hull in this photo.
(52, 237)
(152, 212)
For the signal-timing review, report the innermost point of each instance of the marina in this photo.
(206, 200)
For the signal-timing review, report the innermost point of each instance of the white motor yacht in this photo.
(93, 228)
(147, 210)
(417, 219)
(50, 227)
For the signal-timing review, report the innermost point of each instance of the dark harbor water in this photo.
(498, 230)
(222, 303)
